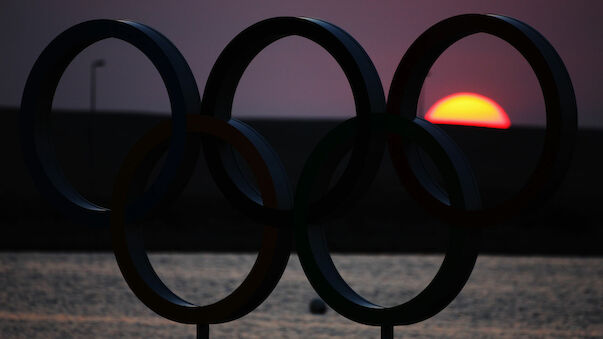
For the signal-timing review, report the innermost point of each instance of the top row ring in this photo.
(369, 98)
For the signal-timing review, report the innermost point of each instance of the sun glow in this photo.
(469, 109)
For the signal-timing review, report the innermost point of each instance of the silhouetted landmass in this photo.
(91, 148)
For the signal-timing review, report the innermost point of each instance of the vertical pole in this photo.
(93, 66)
(387, 332)
(93, 88)
(89, 122)
(202, 331)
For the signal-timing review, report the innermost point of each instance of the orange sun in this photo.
(469, 109)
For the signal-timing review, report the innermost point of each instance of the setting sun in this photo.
(469, 109)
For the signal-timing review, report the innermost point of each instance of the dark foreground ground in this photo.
(76, 295)
(91, 148)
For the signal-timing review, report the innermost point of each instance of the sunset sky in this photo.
(294, 77)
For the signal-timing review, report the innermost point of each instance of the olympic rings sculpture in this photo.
(287, 214)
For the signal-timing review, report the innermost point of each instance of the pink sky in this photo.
(294, 77)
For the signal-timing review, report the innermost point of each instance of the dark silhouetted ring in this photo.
(363, 136)
(219, 93)
(460, 256)
(36, 105)
(559, 98)
(131, 255)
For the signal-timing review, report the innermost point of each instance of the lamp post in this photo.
(95, 64)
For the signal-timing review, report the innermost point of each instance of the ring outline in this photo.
(132, 259)
(36, 105)
(557, 89)
(219, 94)
(460, 257)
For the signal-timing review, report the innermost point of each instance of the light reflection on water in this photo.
(50, 295)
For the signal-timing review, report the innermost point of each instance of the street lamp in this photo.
(95, 64)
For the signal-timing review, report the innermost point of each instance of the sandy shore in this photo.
(56, 295)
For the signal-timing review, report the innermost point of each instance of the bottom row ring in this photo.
(309, 238)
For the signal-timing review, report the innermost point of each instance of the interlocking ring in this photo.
(134, 263)
(460, 256)
(559, 98)
(364, 136)
(36, 105)
(219, 93)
